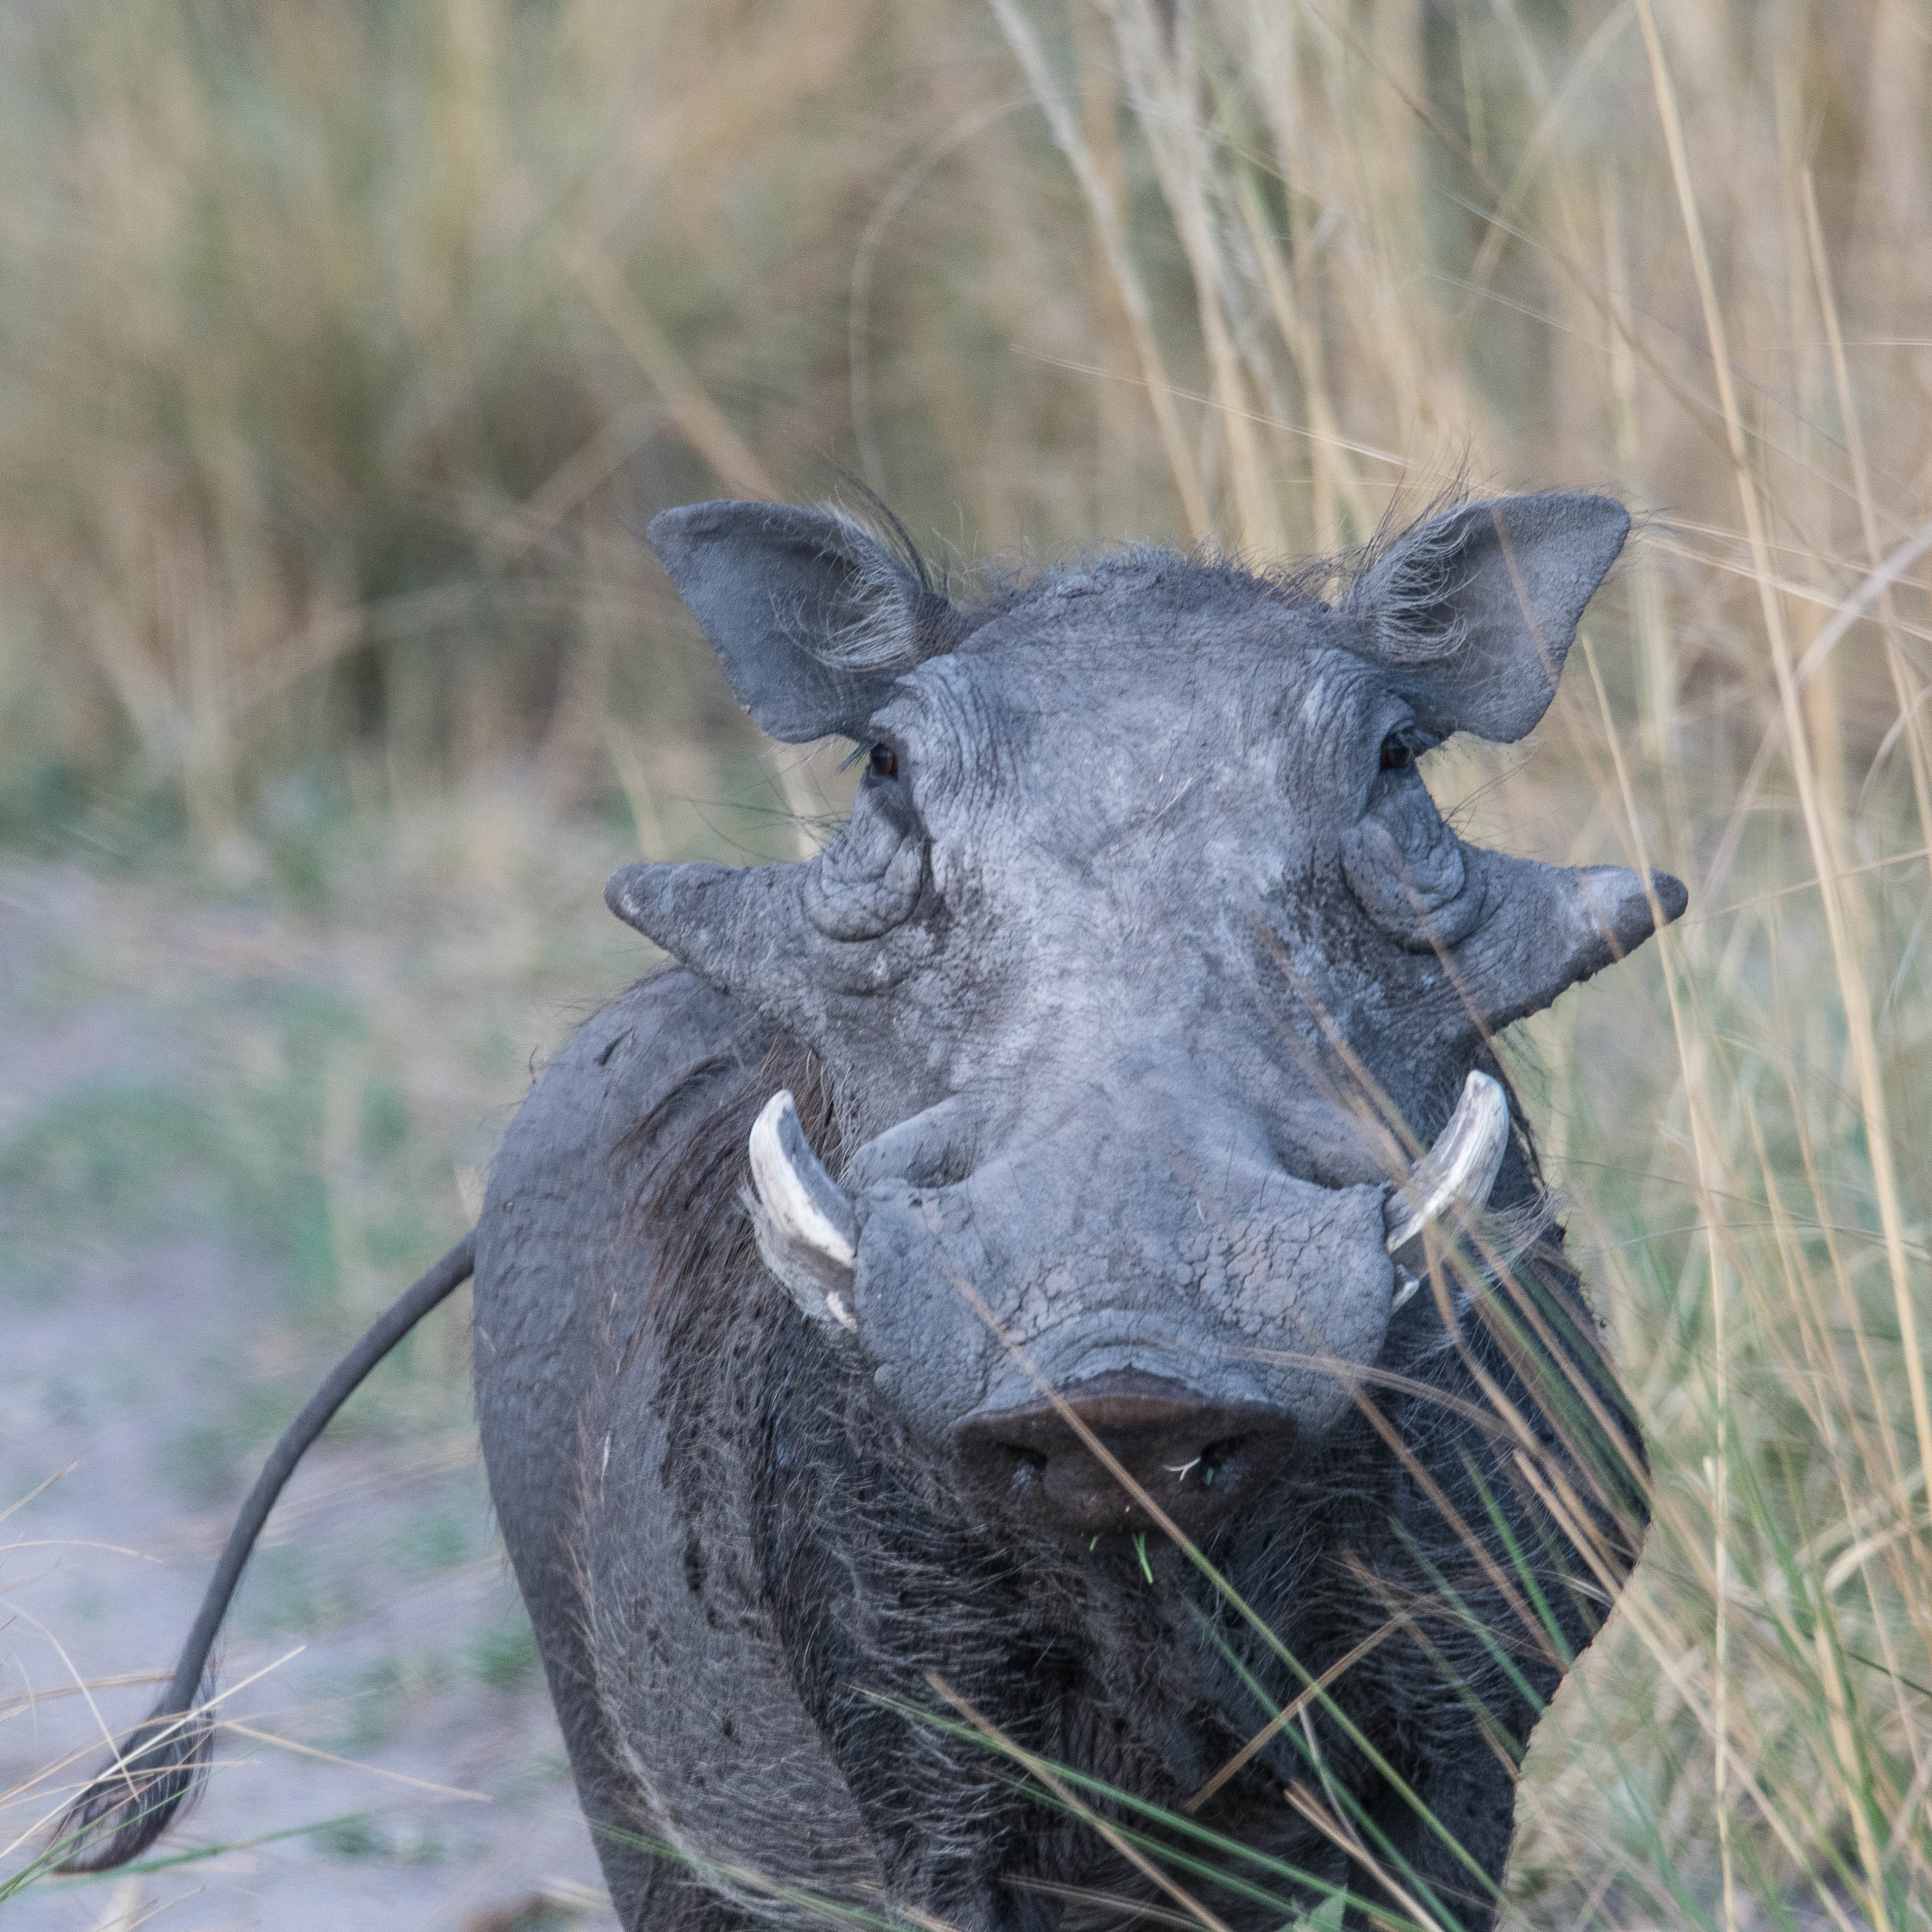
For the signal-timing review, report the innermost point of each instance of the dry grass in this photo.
(340, 347)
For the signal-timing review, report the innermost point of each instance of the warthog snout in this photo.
(1194, 1458)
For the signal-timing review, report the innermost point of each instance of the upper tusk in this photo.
(1457, 1172)
(809, 1233)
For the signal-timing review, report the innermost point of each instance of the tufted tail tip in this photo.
(157, 1775)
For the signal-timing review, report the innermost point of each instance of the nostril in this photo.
(1201, 1469)
(1216, 1456)
(1023, 1465)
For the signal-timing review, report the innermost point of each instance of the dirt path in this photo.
(212, 1166)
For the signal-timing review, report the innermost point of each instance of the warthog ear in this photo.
(1476, 609)
(812, 618)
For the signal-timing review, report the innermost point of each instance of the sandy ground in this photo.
(391, 1760)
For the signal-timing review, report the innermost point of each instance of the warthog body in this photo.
(995, 1424)
(1107, 1007)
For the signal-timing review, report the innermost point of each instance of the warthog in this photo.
(997, 1420)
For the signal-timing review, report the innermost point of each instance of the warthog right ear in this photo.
(1475, 610)
(812, 618)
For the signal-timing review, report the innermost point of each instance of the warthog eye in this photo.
(885, 763)
(1397, 753)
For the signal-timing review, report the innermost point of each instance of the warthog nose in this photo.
(1196, 1459)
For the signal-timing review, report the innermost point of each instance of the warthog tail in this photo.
(159, 1766)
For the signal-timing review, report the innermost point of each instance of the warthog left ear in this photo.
(1475, 610)
(812, 618)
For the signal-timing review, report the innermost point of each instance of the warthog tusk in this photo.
(807, 1232)
(1456, 1173)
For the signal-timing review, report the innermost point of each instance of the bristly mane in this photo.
(948, 613)
(689, 1204)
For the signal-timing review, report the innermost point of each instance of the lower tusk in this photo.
(1457, 1174)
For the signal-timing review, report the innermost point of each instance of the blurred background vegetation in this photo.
(345, 349)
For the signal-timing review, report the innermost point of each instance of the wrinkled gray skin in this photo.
(1124, 997)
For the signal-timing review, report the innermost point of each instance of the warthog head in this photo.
(1143, 970)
